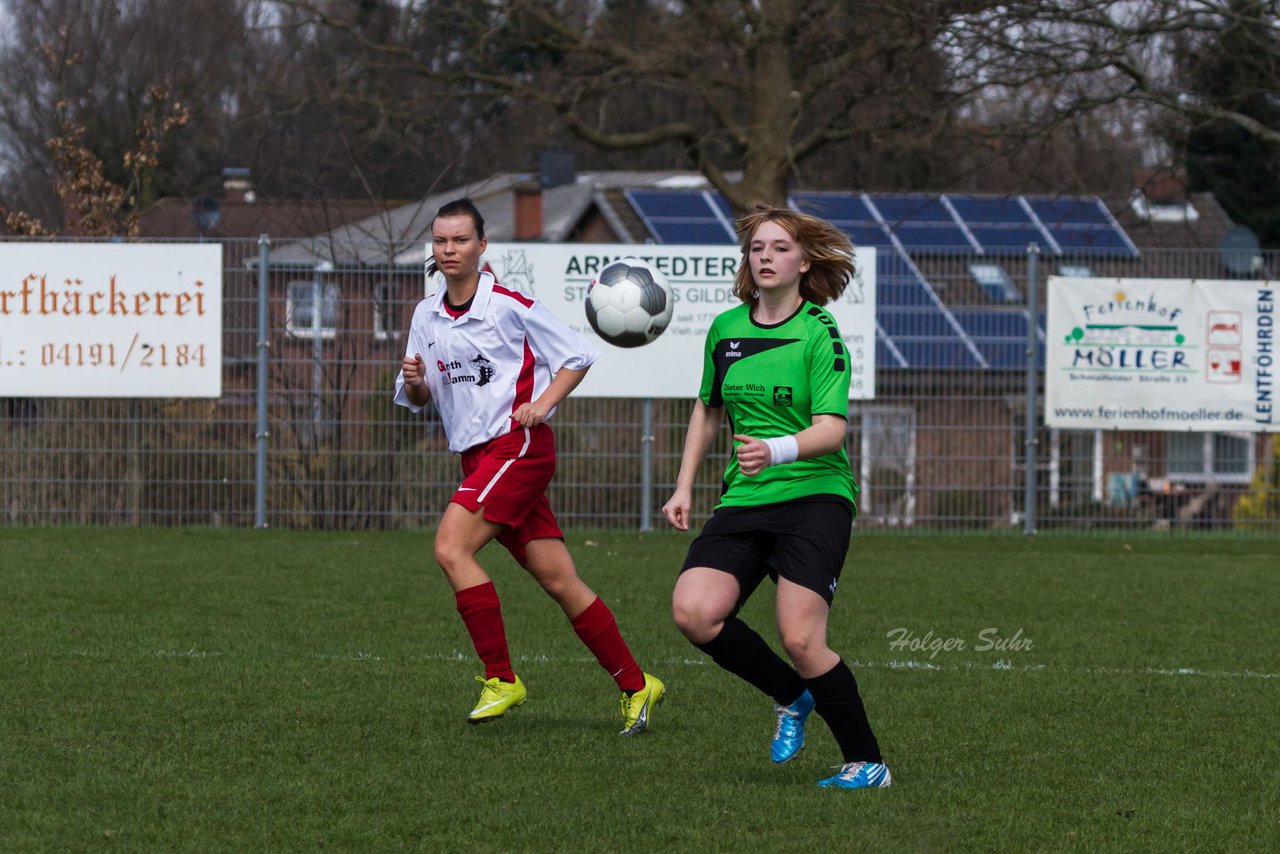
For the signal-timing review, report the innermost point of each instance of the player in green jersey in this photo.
(778, 366)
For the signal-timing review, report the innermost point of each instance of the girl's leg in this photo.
(802, 623)
(703, 604)
(548, 561)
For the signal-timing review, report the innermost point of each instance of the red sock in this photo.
(599, 631)
(482, 614)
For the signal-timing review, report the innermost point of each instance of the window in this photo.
(302, 320)
(888, 469)
(386, 325)
(1205, 457)
(1075, 466)
(1075, 271)
(1145, 209)
(995, 282)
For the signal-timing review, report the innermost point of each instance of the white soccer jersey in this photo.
(483, 365)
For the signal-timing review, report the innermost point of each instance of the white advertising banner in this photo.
(701, 279)
(110, 320)
(1160, 354)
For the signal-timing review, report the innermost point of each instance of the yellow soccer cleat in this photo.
(638, 708)
(496, 698)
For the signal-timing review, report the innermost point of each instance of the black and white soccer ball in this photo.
(629, 303)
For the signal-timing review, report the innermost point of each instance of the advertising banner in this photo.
(1160, 354)
(110, 320)
(701, 279)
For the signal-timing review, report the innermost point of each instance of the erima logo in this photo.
(733, 351)
(734, 345)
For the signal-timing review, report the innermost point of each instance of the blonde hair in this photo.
(827, 248)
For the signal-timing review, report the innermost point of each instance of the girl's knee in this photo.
(802, 646)
(694, 621)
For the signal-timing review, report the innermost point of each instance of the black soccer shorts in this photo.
(804, 541)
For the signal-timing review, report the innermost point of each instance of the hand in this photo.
(414, 370)
(753, 455)
(529, 414)
(677, 509)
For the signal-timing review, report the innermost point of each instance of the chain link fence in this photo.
(305, 434)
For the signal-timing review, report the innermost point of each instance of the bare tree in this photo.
(257, 88)
(760, 93)
(745, 91)
(1059, 58)
(88, 72)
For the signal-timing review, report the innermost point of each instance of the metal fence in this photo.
(305, 434)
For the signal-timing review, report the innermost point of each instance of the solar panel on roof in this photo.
(993, 324)
(911, 208)
(997, 223)
(989, 209)
(921, 223)
(915, 323)
(846, 212)
(1081, 225)
(931, 236)
(680, 217)
(899, 283)
(726, 210)
(1053, 212)
(836, 207)
(864, 235)
(949, 354)
(1006, 237)
(682, 231)
(1094, 240)
(669, 204)
(901, 292)
(1001, 336)
(885, 357)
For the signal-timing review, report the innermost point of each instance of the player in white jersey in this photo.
(496, 363)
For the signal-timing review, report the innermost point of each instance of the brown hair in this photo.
(827, 248)
(457, 207)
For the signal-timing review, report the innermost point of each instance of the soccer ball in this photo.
(629, 303)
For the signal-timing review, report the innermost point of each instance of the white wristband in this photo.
(783, 449)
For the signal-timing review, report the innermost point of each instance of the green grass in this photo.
(281, 691)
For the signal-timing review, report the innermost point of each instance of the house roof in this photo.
(1198, 222)
(398, 236)
(937, 305)
(278, 218)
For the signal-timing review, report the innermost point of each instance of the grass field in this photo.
(279, 691)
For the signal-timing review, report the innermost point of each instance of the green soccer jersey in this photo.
(772, 380)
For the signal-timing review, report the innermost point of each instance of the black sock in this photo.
(745, 654)
(836, 699)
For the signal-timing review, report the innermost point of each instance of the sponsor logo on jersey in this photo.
(484, 369)
(743, 390)
(782, 395)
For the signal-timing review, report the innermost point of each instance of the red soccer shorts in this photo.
(507, 478)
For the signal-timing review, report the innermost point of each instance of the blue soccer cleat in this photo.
(788, 738)
(859, 775)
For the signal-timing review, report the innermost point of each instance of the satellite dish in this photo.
(205, 214)
(1240, 251)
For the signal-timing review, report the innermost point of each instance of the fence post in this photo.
(1033, 369)
(646, 467)
(260, 473)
